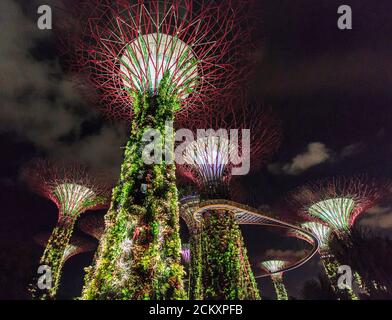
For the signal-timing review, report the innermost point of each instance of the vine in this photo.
(226, 276)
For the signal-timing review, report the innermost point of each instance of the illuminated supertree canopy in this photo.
(338, 202)
(274, 267)
(131, 47)
(93, 225)
(73, 191)
(322, 232)
(210, 159)
(153, 61)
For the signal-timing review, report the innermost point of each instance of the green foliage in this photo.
(196, 269)
(53, 257)
(226, 270)
(139, 254)
(331, 266)
(280, 289)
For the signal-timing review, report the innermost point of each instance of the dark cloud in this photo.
(286, 255)
(378, 217)
(316, 153)
(42, 104)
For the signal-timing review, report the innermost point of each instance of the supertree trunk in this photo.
(226, 271)
(280, 288)
(331, 266)
(139, 255)
(53, 257)
(196, 268)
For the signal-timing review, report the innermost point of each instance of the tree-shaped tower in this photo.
(73, 191)
(152, 61)
(336, 203)
(275, 267)
(210, 161)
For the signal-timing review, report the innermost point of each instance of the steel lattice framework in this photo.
(275, 267)
(209, 160)
(187, 206)
(69, 186)
(337, 201)
(129, 47)
(151, 62)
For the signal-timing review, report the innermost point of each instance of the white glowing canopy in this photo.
(148, 58)
(72, 198)
(273, 265)
(210, 156)
(336, 212)
(321, 231)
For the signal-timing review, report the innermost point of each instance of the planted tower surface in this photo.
(210, 162)
(152, 61)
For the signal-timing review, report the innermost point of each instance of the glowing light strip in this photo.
(322, 232)
(150, 57)
(273, 266)
(336, 212)
(73, 198)
(210, 156)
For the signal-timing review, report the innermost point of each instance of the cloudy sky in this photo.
(330, 88)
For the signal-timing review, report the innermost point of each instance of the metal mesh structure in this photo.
(337, 201)
(131, 46)
(68, 185)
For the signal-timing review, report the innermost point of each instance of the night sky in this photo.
(330, 89)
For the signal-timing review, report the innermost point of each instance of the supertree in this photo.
(93, 225)
(210, 162)
(73, 191)
(152, 62)
(274, 267)
(77, 245)
(337, 203)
